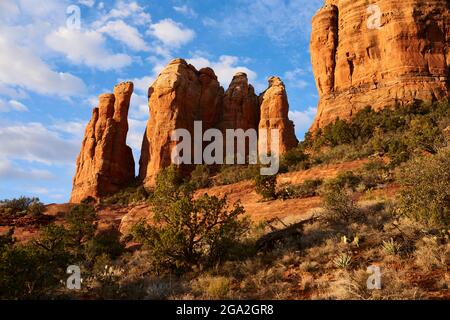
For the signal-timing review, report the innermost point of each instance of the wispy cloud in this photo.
(186, 11)
(281, 20)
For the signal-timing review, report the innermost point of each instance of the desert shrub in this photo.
(265, 186)
(210, 287)
(344, 152)
(309, 188)
(21, 207)
(425, 194)
(338, 203)
(345, 180)
(185, 231)
(127, 196)
(293, 160)
(106, 242)
(374, 173)
(230, 174)
(32, 270)
(81, 225)
(201, 177)
(399, 132)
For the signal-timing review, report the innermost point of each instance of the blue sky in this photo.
(51, 73)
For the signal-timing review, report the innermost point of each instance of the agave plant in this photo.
(342, 261)
(391, 247)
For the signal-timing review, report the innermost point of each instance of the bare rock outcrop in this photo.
(274, 115)
(402, 59)
(105, 163)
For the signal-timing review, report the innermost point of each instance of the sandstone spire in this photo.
(179, 96)
(105, 163)
(240, 105)
(402, 59)
(274, 114)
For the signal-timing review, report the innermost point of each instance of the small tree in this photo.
(338, 203)
(425, 195)
(266, 186)
(185, 231)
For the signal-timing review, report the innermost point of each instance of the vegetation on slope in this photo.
(205, 248)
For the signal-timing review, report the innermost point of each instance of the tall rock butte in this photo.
(181, 95)
(105, 163)
(356, 63)
(274, 115)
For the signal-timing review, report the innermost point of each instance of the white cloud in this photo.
(303, 119)
(225, 68)
(12, 105)
(171, 33)
(185, 10)
(75, 129)
(19, 66)
(139, 106)
(294, 79)
(88, 3)
(34, 142)
(136, 134)
(86, 47)
(125, 9)
(142, 84)
(11, 171)
(126, 34)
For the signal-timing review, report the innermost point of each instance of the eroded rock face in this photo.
(240, 105)
(274, 115)
(355, 65)
(179, 96)
(105, 163)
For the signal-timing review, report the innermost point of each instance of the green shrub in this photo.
(185, 231)
(106, 242)
(21, 207)
(201, 177)
(309, 188)
(346, 180)
(338, 204)
(425, 194)
(127, 196)
(293, 160)
(230, 174)
(33, 270)
(265, 186)
(400, 132)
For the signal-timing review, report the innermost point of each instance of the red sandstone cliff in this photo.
(407, 58)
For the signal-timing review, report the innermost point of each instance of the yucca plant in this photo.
(342, 261)
(391, 247)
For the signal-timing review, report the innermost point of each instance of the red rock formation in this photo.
(407, 58)
(179, 96)
(274, 115)
(240, 105)
(105, 163)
